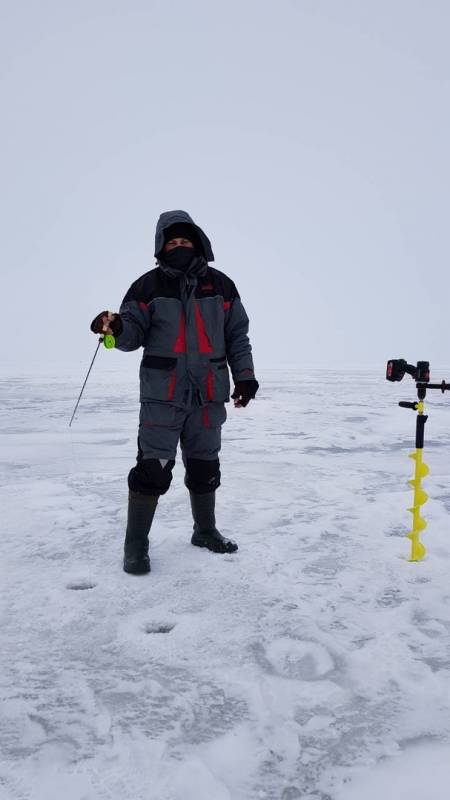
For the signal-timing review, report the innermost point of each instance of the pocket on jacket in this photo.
(157, 378)
(218, 382)
(158, 362)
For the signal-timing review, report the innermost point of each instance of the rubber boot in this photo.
(205, 531)
(141, 510)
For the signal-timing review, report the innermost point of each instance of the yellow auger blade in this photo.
(419, 523)
(422, 469)
(418, 551)
(420, 495)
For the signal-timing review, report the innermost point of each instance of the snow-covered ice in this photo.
(314, 663)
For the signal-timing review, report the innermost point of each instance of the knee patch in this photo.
(150, 477)
(202, 476)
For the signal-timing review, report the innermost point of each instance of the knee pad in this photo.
(202, 476)
(150, 477)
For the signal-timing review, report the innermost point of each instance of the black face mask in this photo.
(180, 258)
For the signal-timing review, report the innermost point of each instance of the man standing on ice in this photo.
(190, 321)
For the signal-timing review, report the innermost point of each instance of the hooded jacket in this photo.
(191, 325)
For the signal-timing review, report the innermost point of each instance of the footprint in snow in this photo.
(391, 598)
(81, 585)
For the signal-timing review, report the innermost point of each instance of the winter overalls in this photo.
(192, 327)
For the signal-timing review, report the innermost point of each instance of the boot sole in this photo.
(215, 547)
(137, 568)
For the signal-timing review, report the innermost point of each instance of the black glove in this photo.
(106, 320)
(244, 391)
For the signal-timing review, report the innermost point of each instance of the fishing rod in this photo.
(395, 371)
(109, 342)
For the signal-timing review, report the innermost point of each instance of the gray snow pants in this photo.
(161, 427)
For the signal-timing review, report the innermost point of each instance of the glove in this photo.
(244, 391)
(106, 322)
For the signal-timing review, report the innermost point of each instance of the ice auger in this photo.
(395, 371)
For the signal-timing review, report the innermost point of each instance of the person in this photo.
(190, 320)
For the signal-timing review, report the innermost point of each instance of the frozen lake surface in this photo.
(314, 663)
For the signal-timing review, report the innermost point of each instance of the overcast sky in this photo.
(309, 138)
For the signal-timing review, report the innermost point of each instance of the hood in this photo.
(168, 218)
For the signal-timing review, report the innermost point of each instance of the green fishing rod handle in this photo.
(109, 341)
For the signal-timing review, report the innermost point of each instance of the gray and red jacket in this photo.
(191, 328)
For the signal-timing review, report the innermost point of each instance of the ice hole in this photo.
(81, 585)
(159, 627)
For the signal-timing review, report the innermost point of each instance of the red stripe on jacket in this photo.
(210, 385)
(172, 384)
(180, 344)
(204, 345)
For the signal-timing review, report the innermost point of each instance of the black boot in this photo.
(141, 509)
(205, 531)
